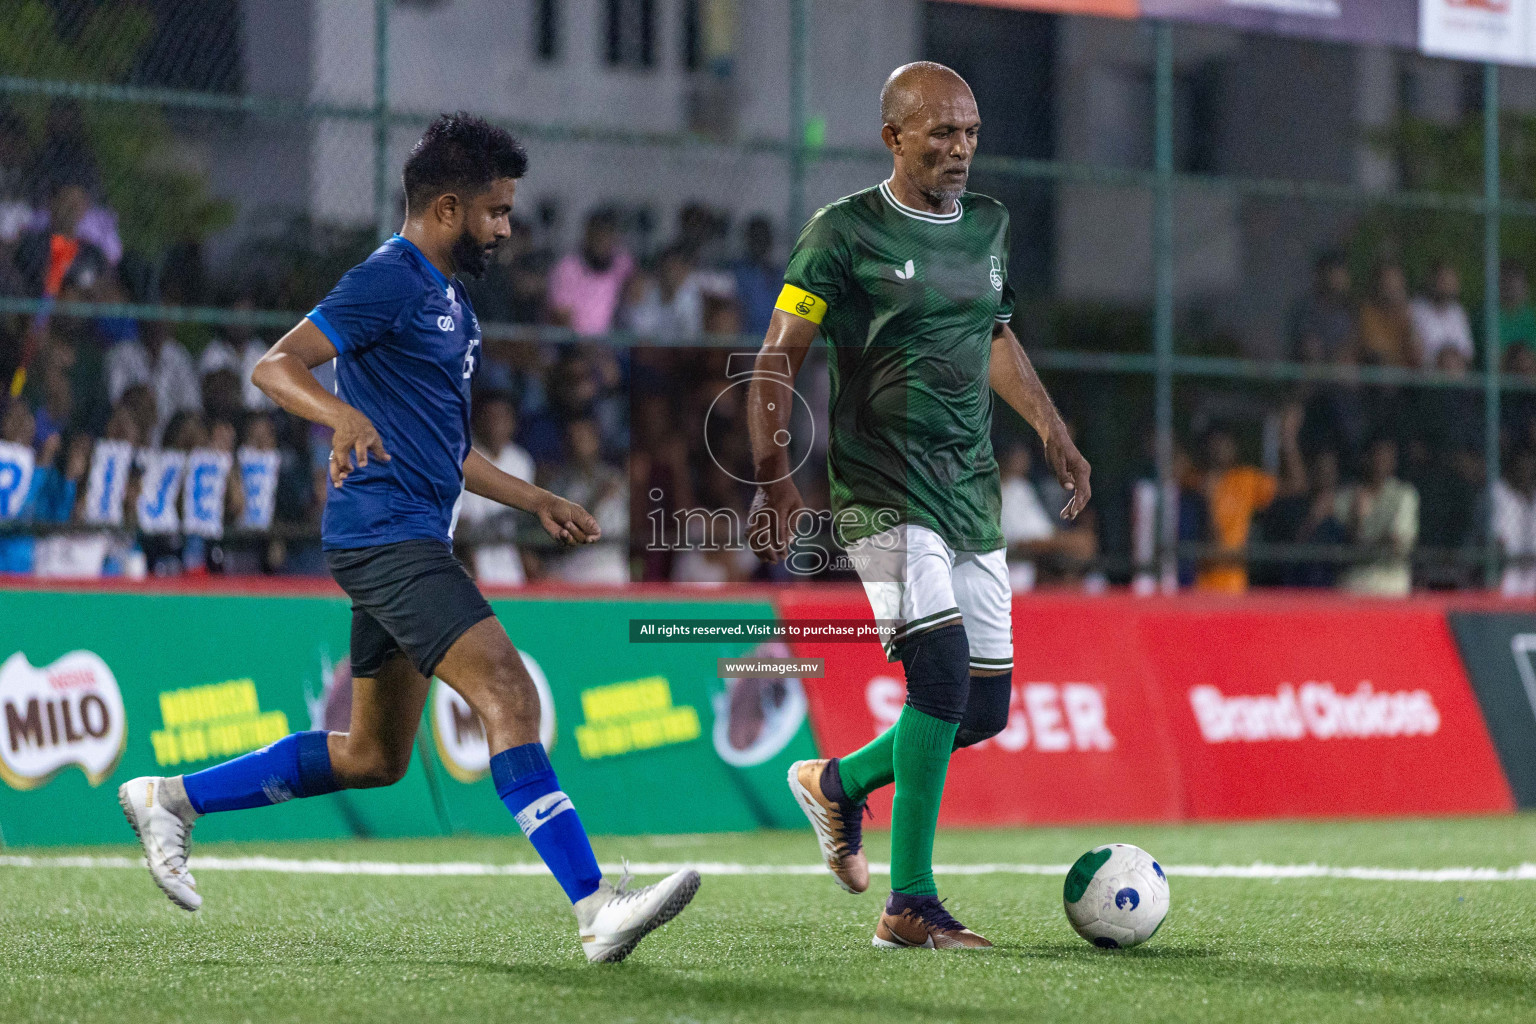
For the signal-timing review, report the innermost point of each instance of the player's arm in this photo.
(1013, 377)
(284, 376)
(563, 520)
(770, 398)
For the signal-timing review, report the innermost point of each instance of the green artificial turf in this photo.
(100, 944)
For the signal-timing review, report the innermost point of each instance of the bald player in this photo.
(908, 283)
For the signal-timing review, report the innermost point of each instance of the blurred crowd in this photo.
(141, 447)
(131, 447)
(1365, 475)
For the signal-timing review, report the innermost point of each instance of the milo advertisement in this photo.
(97, 688)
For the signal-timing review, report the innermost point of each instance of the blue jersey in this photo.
(408, 347)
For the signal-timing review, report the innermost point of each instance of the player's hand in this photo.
(351, 444)
(567, 521)
(768, 519)
(1071, 469)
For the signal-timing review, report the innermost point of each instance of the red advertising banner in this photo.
(1322, 708)
(1129, 709)
(1086, 738)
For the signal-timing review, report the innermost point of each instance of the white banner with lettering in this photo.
(107, 486)
(258, 476)
(1501, 31)
(16, 465)
(159, 488)
(202, 502)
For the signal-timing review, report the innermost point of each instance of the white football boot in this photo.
(162, 818)
(614, 920)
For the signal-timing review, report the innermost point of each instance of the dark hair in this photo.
(603, 218)
(460, 153)
(1219, 428)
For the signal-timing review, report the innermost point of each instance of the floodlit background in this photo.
(1226, 240)
(1273, 260)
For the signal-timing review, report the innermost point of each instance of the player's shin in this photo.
(937, 687)
(873, 765)
(526, 783)
(298, 765)
(870, 767)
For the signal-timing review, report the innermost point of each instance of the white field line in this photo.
(280, 865)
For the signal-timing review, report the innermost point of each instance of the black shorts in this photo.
(412, 596)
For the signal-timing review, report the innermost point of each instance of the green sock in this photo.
(870, 767)
(921, 751)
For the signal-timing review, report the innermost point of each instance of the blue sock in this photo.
(527, 785)
(296, 765)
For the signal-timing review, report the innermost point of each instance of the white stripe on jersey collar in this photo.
(916, 214)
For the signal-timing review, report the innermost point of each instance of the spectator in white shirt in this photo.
(239, 351)
(1439, 318)
(495, 425)
(160, 362)
(669, 304)
(1514, 523)
(1029, 529)
(1024, 519)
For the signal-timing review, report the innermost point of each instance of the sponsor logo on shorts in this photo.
(66, 713)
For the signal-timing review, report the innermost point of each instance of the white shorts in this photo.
(916, 582)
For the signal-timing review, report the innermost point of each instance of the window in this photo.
(546, 29)
(631, 33)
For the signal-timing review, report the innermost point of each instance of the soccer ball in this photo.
(1116, 896)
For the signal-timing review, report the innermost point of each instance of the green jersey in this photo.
(907, 301)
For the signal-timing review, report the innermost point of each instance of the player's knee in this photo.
(938, 672)
(986, 712)
(514, 698)
(369, 765)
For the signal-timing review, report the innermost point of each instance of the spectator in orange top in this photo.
(56, 256)
(1234, 494)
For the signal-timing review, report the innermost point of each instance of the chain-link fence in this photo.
(1248, 266)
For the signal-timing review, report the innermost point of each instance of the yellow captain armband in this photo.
(801, 303)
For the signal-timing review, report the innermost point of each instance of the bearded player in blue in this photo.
(407, 345)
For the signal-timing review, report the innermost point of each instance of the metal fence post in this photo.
(1162, 296)
(799, 73)
(1491, 340)
(383, 206)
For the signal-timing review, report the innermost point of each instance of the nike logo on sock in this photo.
(536, 814)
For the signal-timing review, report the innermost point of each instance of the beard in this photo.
(471, 257)
(943, 196)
